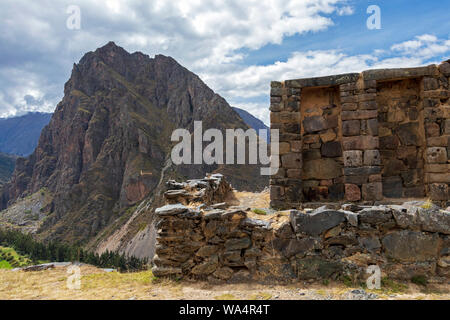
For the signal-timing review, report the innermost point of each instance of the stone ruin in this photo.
(369, 137)
(201, 237)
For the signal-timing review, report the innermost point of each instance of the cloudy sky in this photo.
(236, 47)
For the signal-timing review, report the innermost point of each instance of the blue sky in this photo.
(236, 47)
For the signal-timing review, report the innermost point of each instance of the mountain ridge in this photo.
(20, 135)
(114, 123)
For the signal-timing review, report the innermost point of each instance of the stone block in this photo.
(352, 192)
(408, 133)
(392, 187)
(331, 149)
(432, 129)
(444, 68)
(372, 127)
(393, 167)
(359, 180)
(291, 160)
(411, 246)
(316, 222)
(430, 84)
(328, 136)
(359, 114)
(368, 105)
(437, 177)
(360, 143)
(441, 141)
(353, 158)
(389, 142)
(311, 138)
(372, 191)
(351, 128)
(320, 169)
(372, 158)
(314, 124)
(276, 192)
(349, 106)
(361, 171)
(285, 117)
(294, 173)
(436, 155)
(284, 147)
(296, 146)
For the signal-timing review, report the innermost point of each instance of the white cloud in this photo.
(202, 35)
(239, 84)
(211, 38)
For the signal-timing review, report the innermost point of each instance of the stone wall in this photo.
(219, 243)
(367, 137)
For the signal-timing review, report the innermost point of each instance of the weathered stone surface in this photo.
(237, 244)
(370, 243)
(314, 124)
(372, 127)
(301, 246)
(434, 220)
(321, 169)
(318, 268)
(317, 222)
(361, 171)
(430, 84)
(223, 273)
(375, 215)
(207, 251)
(360, 143)
(405, 217)
(311, 154)
(351, 128)
(353, 158)
(389, 142)
(171, 209)
(213, 214)
(166, 271)
(439, 191)
(372, 158)
(291, 160)
(392, 187)
(444, 68)
(232, 258)
(206, 267)
(359, 114)
(393, 167)
(331, 149)
(436, 155)
(328, 136)
(372, 191)
(411, 246)
(352, 217)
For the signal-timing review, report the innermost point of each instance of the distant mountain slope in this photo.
(252, 121)
(20, 135)
(7, 163)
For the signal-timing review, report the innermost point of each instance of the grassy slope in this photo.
(97, 284)
(9, 259)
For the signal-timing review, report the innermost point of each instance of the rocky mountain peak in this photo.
(107, 146)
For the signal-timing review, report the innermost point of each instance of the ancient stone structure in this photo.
(212, 241)
(368, 137)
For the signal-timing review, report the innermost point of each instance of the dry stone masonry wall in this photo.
(220, 243)
(369, 137)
